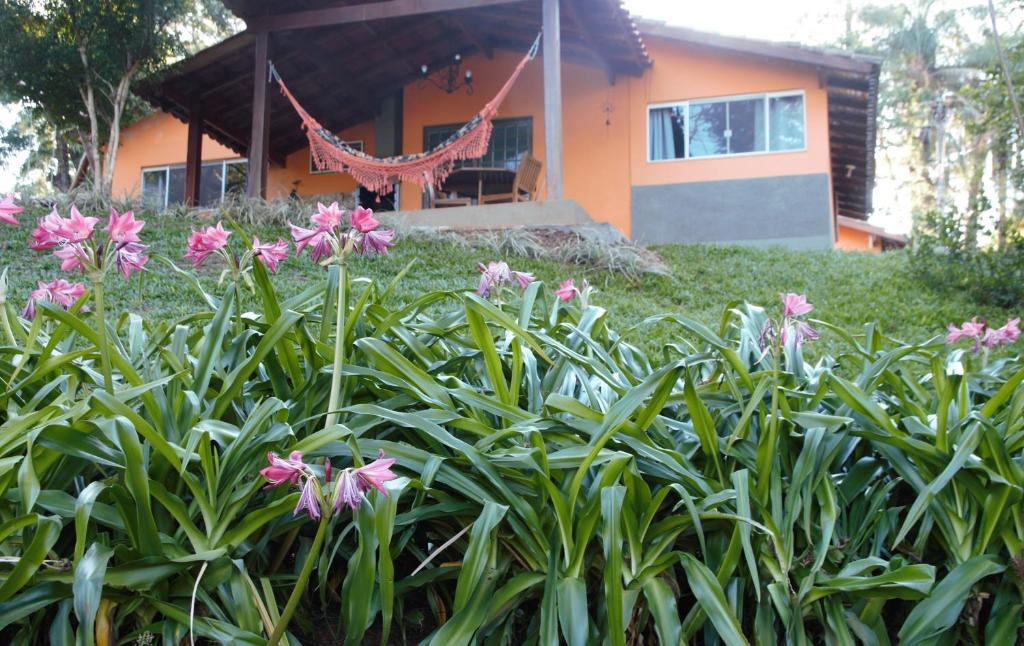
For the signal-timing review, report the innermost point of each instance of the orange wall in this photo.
(856, 240)
(604, 126)
(161, 140)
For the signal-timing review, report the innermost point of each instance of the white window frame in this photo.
(358, 144)
(167, 168)
(685, 104)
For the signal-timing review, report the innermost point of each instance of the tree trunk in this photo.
(62, 181)
(118, 101)
(975, 187)
(93, 147)
(1000, 175)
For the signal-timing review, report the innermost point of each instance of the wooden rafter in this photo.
(361, 13)
(588, 39)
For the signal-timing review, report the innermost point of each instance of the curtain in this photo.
(663, 143)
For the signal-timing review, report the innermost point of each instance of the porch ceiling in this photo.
(341, 72)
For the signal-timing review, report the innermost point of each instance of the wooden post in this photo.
(194, 154)
(552, 42)
(259, 140)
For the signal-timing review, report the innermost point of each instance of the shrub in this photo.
(946, 258)
(554, 481)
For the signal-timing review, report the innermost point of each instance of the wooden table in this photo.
(470, 179)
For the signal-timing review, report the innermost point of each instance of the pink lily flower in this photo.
(73, 256)
(795, 305)
(129, 258)
(376, 473)
(124, 228)
(270, 254)
(523, 278)
(348, 491)
(566, 291)
(328, 217)
(363, 220)
(1005, 335)
(319, 241)
(204, 242)
(800, 332)
(972, 329)
(308, 500)
(492, 274)
(283, 470)
(58, 291)
(47, 234)
(77, 228)
(378, 241)
(8, 209)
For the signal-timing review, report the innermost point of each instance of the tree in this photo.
(74, 61)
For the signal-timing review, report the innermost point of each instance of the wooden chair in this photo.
(443, 202)
(524, 186)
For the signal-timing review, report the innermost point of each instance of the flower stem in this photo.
(339, 350)
(300, 583)
(101, 333)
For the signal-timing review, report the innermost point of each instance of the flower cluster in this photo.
(58, 291)
(208, 241)
(985, 337)
(328, 240)
(350, 488)
(71, 240)
(497, 273)
(792, 328)
(568, 290)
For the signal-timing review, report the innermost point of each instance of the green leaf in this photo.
(941, 609)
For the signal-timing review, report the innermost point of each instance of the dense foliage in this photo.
(555, 480)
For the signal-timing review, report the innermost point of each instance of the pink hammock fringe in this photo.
(380, 174)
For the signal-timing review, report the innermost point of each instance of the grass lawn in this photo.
(848, 289)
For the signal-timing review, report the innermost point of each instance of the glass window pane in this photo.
(210, 178)
(707, 128)
(746, 126)
(235, 181)
(176, 186)
(787, 122)
(667, 128)
(154, 187)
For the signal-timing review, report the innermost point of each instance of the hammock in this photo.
(431, 167)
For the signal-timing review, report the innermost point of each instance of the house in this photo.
(668, 134)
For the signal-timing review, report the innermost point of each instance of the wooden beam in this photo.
(485, 46)
(362, 13)
(552, 44)
(259, 141)
(588, 40)
(194, 154)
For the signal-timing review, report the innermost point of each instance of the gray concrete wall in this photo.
(792, 211)
(498, 216)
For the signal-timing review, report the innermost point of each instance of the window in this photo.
(511, 140)
(726, 126)
(313, 170)
(164, 186)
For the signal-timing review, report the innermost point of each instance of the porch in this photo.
(350, 62)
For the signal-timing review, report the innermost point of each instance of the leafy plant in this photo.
(556, 482)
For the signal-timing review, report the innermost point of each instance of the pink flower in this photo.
(206, 241)
(972, 329)
(348, 491)
(492, 274)
(129, 258)
(328, 216)
(77, 228)
(58, 291)
(72, 256)
(795, 305)
(523, 278)
(270, 253)
(47, 234)
(376, 473)
(308, 500)
(378, 241)
(8, 209)
(283, 470)
(363, 220)
(566, 291)
(319, 241)
(124, 228)
(800, 331)
(1005, 335)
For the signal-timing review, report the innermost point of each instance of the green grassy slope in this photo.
(848, 289)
